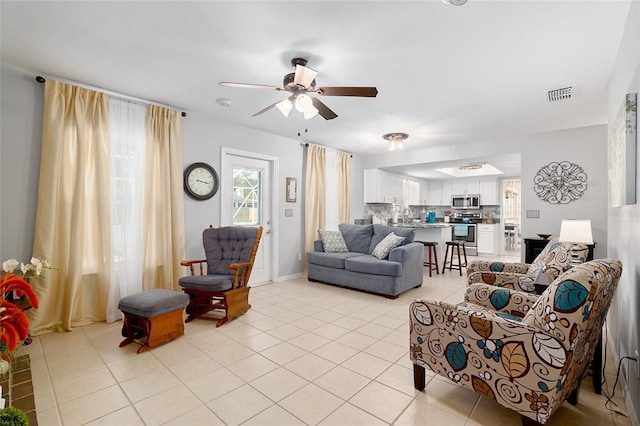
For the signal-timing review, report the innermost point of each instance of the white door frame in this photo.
(225, 194)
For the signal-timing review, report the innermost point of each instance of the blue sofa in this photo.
(359, 269)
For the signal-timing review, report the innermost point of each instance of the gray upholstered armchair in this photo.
(552, 261)
(230, 252)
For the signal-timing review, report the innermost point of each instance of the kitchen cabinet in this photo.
(465, 186)
(425, 190)
(489, 192)
(446, 193)
(435, 193)
(488, 238)
(392, 187)
(382, 187)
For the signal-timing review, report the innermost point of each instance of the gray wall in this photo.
(203, 139)
(624, 225)
(20, 136)
(586, 147)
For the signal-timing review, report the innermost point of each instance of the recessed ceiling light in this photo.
(224, 102)
(454, 2)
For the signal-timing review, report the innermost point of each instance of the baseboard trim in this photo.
(287, 277)
(633, 416)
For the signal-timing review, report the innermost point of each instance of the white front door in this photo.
(247, 194)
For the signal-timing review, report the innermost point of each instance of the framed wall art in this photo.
(622, 153)
(292, 190)
(560, 182)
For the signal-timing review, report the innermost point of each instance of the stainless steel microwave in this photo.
(465, 201)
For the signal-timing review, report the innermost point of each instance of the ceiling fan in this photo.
(300, 84)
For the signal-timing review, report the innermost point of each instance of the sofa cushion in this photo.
(357, 237)
(331, 260)
(381, 231)
(389, 242)
(333, 242)
(372, 265)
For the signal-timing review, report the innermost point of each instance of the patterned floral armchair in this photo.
(530, 365)
(553, 260)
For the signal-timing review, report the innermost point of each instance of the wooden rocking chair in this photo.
(230, 252)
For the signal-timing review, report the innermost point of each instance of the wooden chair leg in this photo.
(435, 255)
(418, 377)
(459, 261)
(573, 396)
(526, 421)
(444, 262)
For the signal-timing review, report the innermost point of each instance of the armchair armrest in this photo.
(486, 266)
(406, 252)
(512, 302)
(318, 246)
(498, 279)
(190, 264)
(241, 276)
(508, 280)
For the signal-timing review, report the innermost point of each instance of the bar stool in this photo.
(432, 263)
(455, 247)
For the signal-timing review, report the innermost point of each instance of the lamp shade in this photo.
(576, 231)
(285, 107)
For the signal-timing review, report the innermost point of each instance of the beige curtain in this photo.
(73, 215)
(344, 179)
(163, 212)
(314, 204)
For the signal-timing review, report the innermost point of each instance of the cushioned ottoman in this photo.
(152, 317)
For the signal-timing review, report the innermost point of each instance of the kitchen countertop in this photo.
(424, 225)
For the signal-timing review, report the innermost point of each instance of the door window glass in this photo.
(247, 196)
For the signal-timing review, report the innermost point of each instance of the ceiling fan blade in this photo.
(304, 76)
(266, 109)
(369, 92)
(323, 110)
(248, 85)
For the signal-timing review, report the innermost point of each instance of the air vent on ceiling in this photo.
(561, 94)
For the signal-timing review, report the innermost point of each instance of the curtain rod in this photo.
(41, 79)
(307, 144)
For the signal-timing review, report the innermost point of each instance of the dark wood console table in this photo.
(534, 246)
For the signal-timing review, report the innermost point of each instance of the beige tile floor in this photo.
(306, 353)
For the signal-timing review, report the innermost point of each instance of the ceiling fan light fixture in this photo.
(472, 166)
(303, 102)
(310, 112)
(285, 107)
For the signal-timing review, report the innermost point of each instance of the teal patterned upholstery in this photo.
(553, 260)
(531, 364)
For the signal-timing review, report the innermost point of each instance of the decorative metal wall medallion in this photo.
(560, 183)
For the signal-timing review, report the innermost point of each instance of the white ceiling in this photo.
(445, 74)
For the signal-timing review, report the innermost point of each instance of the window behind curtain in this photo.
(127, 141)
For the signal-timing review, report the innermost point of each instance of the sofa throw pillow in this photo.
(333, 241)
(389, 242)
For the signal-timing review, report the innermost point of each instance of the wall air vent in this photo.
(561, 94)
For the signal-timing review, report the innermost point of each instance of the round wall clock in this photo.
(200, 181)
